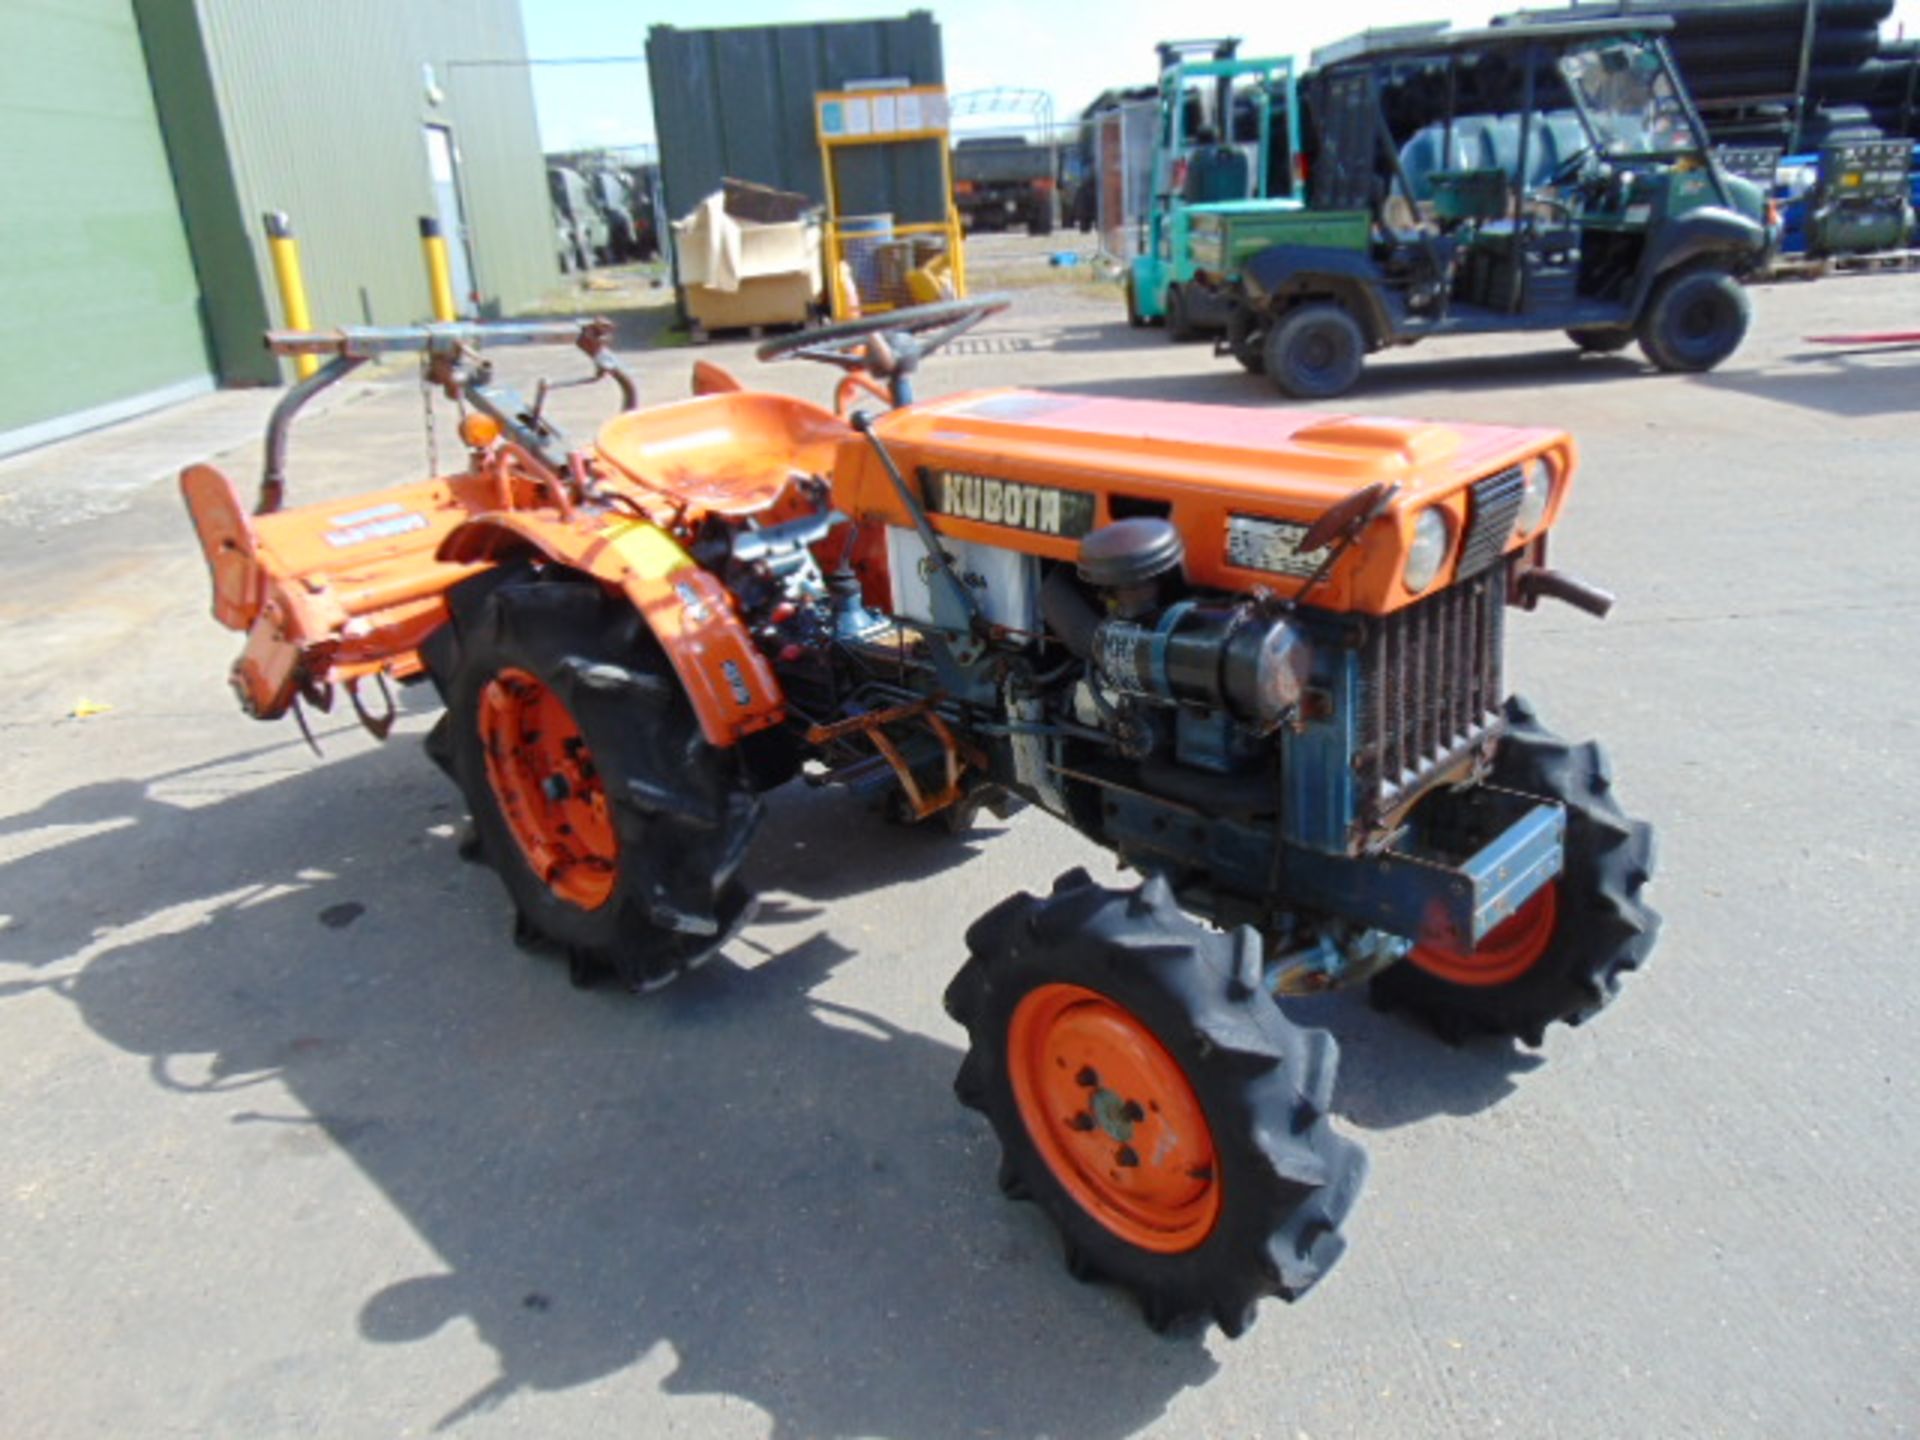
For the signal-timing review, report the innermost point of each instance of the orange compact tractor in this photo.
(1257, 654)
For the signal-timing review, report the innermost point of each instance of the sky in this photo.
(1072, 49)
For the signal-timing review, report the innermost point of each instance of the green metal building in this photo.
(146, 138)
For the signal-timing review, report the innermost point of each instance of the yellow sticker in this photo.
(648, 550)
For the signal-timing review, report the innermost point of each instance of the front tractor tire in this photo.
(1315, 351)
(1562, 954)
(615, 827)
(1694, 320)
(1152, 1099)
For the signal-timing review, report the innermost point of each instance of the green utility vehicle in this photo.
(1224, 142)
(1526, 177)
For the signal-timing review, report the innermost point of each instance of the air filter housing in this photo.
(1129, 554)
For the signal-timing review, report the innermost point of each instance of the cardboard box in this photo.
(739, 272)
(763, 300)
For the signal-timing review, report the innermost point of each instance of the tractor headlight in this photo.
(1432, 538)
(1536, 480)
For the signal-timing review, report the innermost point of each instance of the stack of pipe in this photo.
(1743, 60)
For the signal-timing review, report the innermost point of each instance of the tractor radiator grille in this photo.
(1491, 507)
(1430, 688)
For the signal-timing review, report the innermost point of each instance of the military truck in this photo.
(1000, 181)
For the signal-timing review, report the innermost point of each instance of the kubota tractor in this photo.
(1258, 655)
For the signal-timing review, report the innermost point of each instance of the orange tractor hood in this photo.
(1200, 465)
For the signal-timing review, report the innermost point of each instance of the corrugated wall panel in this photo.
(739, 102)
(97, 296)
(323, 109)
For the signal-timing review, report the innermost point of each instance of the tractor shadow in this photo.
(770, 1187)
(1394, 1071)
(775, 1185)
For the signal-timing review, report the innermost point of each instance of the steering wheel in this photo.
(1570, 169)
(888, 345)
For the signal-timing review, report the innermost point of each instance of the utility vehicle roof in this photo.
(1412, 41)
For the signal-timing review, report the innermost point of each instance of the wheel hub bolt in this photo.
(555, 787)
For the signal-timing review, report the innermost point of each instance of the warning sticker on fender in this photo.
(1256, 543)
(375, 523)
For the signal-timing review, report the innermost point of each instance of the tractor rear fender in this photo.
(1282, 276)
(1711, 233)
(733, 690)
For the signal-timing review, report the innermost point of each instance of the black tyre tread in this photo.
(1180, 327)
(1282, 360)
(1655, 329)
(1605, 930)
(1247, 341)
(682, 810)
(1289, 1179)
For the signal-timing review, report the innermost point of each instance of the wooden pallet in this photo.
(698, 334)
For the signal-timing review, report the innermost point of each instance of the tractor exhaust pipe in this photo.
(1535, 585)
(1068, 613)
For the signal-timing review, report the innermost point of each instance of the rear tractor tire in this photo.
(1694, 320)
(1153, 1100)
(615, 827)
(1315, 352)
(1562, 954)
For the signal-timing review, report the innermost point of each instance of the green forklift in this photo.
(1525, 177)
(1226, 139)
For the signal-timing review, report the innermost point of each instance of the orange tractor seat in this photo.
(730, 453)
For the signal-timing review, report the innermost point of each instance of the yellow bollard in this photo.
(284, 250)
(439, 272)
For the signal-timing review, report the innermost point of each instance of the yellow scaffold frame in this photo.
(884, 116)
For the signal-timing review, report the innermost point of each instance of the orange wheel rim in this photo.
(548, 788)
(1510, 949)
(1114, 1118)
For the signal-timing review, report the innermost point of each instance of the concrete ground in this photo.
(296, 1142)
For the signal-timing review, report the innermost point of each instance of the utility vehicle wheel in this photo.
(1247, 340)
(1041, 224)
(1694, 320)
(1599, 340)
(1134, 317)
(1315, 352)
(1561, 956)
(615, 827)
(1151, 1097)
(1180, 327)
